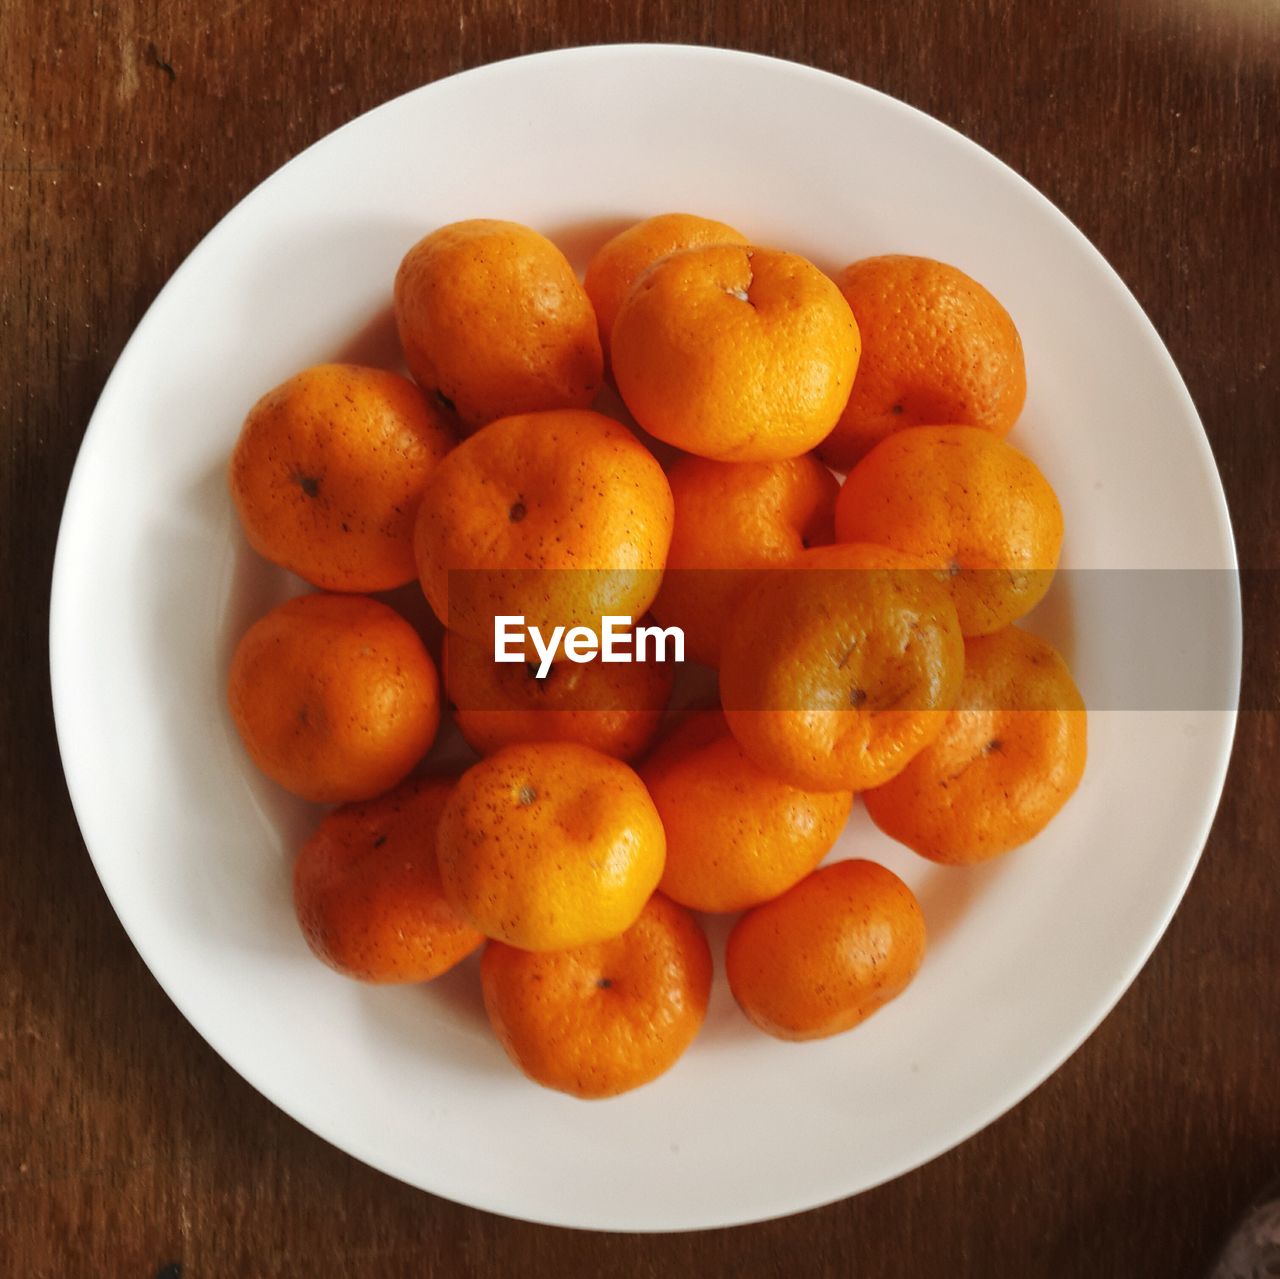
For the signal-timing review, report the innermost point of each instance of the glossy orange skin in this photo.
(548, 845)
(1009, 757)
(837, 671)
(595, 1021)
(735, 353)
(731, 519)
(328, 472)
(620, 262)
(828, 953)
(736, 835)
(493, 320)
(334, 697)
(367, 889)
(957, 498)
(529, 496)
(937, 348)
(613, 707)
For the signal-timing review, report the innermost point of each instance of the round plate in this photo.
(153, 585)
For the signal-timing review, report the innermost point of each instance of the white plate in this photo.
(153, 584)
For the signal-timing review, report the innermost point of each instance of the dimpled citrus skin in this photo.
(533, 494)
(828, 953)
(548, 845)
(568, 490)
(367, 889)
(735, 353)
(732, 518)
(598, 1020)
(839, 669)
(493, 320)
(619, 263)
(613, 707)
(327, 474)
(958, 498)
(736, 835)
(1011, 754)
(936, 347)
(334, 697)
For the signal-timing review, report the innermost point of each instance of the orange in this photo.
(828, 953)
(736, 835)
(334, 697)
(613, 707)
(328, 471)
(839, 669)
(618, 264)
(735, 353)
(367, 889)
(559, 518)
(1011, 754)
(937, 347)
(959, 499)
(598, 1020)
(493, 321)
(548, 845)
(732, 518)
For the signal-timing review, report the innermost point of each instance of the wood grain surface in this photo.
(128, 127)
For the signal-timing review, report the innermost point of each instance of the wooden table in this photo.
(127, 1148)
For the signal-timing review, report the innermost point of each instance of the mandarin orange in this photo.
(731, 519)
(493, 322)
(1010, 755)
(960, 500)
(328, 471)
(619, 263)
(559, 518)
(613, 707)
(841, 667)
(367, 891)
(334, 697)
(736, 835)
(937, 348)
(601, 1019)
(736, 353)
(548, 845)
(828, 953)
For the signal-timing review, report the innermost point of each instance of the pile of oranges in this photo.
(863, 632)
